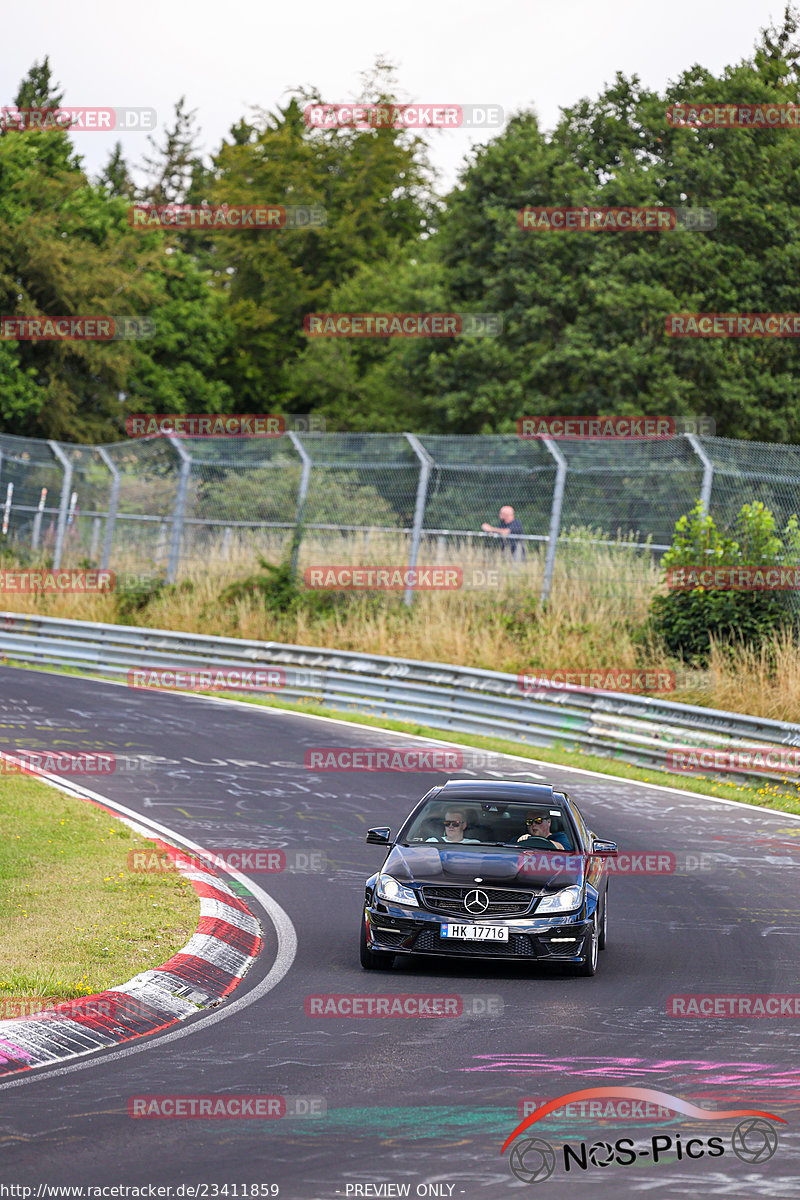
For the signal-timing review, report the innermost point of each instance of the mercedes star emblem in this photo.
(476, 901)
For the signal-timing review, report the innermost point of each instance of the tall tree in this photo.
(171, 165)
(66, 249)
(372, 184)
(37, 89)
(115, 179)
(584, 312)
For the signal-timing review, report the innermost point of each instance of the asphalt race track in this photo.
(416, 1101)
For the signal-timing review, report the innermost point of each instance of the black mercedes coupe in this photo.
(489, 869)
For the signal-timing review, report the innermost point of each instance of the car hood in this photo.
(507, 867)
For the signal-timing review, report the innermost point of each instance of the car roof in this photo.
(495, 789)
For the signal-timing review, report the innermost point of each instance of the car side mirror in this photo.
(379, 837)
(608, 849)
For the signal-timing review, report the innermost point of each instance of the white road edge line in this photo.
(284, 929)
(283, 924)
(537, 762)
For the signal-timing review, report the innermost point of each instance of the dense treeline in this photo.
(583, 313)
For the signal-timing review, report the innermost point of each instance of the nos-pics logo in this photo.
(754, 1140)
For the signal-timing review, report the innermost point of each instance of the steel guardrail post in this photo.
(425, 464)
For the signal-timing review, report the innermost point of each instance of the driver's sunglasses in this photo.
(537, 820)
(452, 822)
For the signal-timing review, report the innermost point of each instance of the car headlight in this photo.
(558, 902)
(390, 889)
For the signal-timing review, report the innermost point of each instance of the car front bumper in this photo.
(396, 929)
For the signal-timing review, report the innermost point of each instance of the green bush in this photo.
(134, 594)
(686, 621)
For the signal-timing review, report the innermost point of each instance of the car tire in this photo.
(373, 960)
(603, 939)
(589, 964)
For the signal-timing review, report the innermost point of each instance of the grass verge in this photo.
(73, 918)
(597, 615)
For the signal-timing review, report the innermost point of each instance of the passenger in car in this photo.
(455, 822)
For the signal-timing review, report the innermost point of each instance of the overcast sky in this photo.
(225, 56)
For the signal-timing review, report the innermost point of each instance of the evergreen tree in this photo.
(172, 164)
(37, 89)
(115, 178)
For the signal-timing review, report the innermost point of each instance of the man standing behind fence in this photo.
(508, 527)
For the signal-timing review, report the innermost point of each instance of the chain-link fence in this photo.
(162, 502)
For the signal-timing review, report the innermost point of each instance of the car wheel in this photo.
(373, 960)
(589, 964)
(603, 940)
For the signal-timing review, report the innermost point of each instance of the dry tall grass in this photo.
(598, 606)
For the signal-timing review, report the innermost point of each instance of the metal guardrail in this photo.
(635, 729)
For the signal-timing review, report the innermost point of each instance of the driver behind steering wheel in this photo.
(538, 826)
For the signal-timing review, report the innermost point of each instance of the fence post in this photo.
(555, 517)
(425, 464)
(66, 488)
(708, 471)
(179, 511)
(7, 508)
(302, 495)
(113, 502)
(95, 543)
(37, 520)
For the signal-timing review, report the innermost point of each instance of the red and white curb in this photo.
(209, 967)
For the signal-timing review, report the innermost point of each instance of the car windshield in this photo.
(489, 823)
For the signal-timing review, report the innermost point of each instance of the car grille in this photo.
(519, 945)
(503, 902)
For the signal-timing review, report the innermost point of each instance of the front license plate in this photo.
(475, 933)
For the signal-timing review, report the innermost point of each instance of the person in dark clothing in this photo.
(508, 527)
